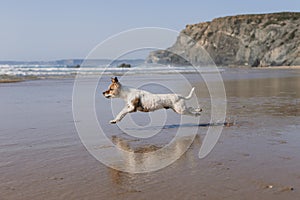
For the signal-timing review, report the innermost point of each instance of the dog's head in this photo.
(113, 89)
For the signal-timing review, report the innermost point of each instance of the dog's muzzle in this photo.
(106, 96)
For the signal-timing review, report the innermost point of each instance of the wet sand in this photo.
(257, 157)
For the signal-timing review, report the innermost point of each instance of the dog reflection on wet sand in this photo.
(136, 154)
(141, 100)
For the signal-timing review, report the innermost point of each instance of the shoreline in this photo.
(279, 67)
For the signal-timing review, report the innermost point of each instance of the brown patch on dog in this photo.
(138, 105)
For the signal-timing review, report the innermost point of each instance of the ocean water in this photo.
(63, 70)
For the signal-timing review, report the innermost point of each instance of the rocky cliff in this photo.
(243, 40)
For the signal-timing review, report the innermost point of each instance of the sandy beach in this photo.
(257, 157)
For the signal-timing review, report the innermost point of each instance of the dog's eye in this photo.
(111, 89)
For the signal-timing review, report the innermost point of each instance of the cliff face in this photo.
(251, 40)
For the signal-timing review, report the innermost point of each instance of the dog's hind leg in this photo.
(191, 111)
(197, 111)
(186, 112)
(181, 109)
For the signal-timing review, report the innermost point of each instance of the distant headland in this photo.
(242, 40)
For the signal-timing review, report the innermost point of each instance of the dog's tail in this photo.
(190, 95)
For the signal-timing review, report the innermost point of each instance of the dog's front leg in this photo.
(122, 114)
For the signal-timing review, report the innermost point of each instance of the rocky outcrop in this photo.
(251, 40)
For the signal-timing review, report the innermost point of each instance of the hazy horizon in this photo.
(55, 30)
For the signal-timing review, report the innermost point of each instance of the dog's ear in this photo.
(114, 80)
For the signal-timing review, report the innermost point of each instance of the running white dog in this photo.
(146, 102)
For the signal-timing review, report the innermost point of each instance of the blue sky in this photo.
(53, 29)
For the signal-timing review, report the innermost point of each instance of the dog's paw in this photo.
(112, 121)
